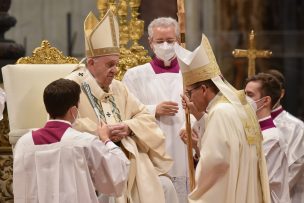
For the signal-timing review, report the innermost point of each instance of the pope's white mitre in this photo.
(199, 65)
(101, 37)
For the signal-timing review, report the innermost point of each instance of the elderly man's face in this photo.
(103, 69)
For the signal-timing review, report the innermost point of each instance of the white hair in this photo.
(163, 22)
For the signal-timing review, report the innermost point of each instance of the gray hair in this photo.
(163, 22)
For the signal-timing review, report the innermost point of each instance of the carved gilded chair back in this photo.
(24, 84)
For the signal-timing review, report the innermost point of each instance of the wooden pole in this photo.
(182, 26)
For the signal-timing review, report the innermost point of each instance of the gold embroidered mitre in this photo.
(101, 37)
(199, 65)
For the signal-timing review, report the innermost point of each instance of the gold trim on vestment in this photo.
(113, 32)
(205, 72)
(102, 52)
(251, 126)
(89, 24)
(200, 74)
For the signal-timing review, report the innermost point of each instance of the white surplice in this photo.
(152, 89)
(277, 165)
(68, 171)
(293, 131)
(145, 147)
(228, 169)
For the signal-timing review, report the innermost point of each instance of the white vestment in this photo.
(68, 171)
(145, 147)
(277, 165)
(293, 131)
(152, 89)
(228, 169)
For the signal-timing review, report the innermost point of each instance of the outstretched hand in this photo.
(103, 131)
(166, 108)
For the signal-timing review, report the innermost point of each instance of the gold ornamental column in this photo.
(102, 6)
(127, 58)
(137, 30)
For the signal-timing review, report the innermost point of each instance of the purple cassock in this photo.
(159, 66)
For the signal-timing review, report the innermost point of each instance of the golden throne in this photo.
(24, 83)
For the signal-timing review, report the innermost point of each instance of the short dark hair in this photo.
(278, 75)
(270, 86)
(59, 96)
(207, 83)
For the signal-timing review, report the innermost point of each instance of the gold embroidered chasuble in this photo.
(145, 148)
(225, 173)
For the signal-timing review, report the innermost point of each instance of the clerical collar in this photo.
(159, 66)
(266, 123)
(52, 132)
(276, 112)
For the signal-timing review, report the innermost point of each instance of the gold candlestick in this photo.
(123, 26)
(127, 58)
(112, 6)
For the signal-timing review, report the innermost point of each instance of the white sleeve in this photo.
(277, 167)
(151, 109)
(296, 155)
(109, 167)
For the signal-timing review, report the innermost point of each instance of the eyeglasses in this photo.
(189, 92)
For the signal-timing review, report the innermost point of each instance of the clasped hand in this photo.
(118, 131)
(194, 137)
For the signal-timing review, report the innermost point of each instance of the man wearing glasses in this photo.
(158, 85)
(231, 166)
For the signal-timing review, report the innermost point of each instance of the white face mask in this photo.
(164, 51)
(256, 101)
(253, 103)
